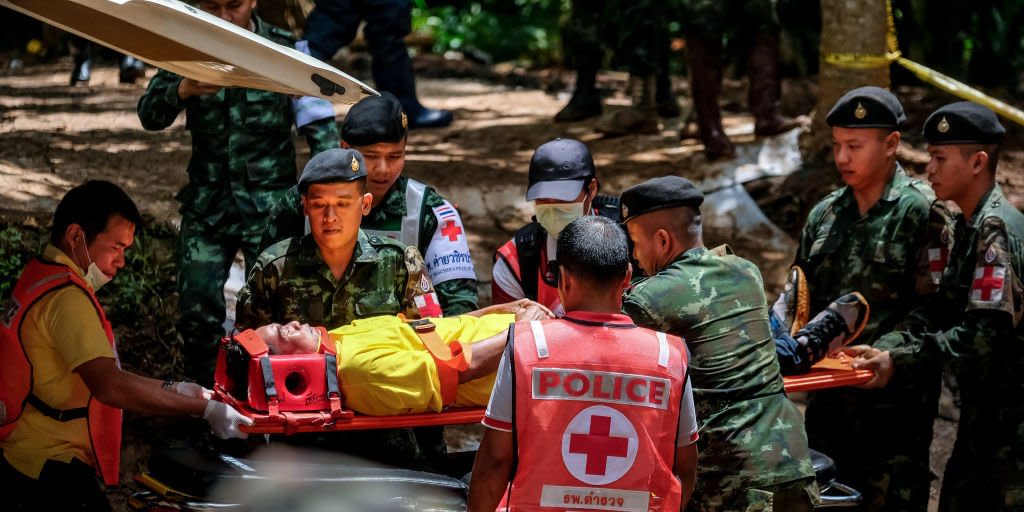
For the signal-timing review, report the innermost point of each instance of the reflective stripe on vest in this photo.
(409, 230)
(104, 422)
(596, 417)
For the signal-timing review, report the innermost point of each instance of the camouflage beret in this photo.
(335, 165)
(867, 107)
(375, 119)
(963, 122)
(657, 194)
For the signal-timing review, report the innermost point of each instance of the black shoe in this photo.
(81, 72)
(580, 107)
(431, 118)
(132, 69)
(836, 326)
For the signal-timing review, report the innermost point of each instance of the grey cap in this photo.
(334, 165)
(559, 169)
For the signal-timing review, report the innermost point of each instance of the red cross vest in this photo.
(546, 293)
(37, 280)
(596, 415)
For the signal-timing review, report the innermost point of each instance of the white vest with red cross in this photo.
(37, 280)
(596, 415)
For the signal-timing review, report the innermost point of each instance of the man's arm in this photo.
(458, 296)
(321, 134)
(255, 300)
(492, 471)
(685, 469)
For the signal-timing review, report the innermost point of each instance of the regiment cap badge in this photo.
(625, 211)
(860, 112)
(405, 121)
(943, 125)
(355, 164)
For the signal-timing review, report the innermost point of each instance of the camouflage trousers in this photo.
(797, 496)
(891, 469)
(739, 18)
(205, 255)
(636, 32)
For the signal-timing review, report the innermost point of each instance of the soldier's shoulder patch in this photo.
(413, 260)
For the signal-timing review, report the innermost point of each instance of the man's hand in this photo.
(224, 420)
(523, 309)
(192, 390)
(870, 358)
(189, 88)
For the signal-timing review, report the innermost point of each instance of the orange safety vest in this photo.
(596, 415)
(37, 280)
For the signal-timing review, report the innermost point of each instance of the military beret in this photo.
(867, 107)
(375, 119)
(559, 169)
(963, 122)
(332, 166)
(658, 194)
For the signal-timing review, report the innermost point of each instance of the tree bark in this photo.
(847, 26)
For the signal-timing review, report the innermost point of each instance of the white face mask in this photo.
(93, 275)
(555, 217)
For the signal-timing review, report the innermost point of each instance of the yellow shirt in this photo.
(60, 332)
(386, 370)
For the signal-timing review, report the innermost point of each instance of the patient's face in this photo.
(289, 338)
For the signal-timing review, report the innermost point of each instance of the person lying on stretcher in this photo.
(386, 367)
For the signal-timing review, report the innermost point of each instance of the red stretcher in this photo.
(292, 394)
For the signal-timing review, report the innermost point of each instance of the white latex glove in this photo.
(192, 390)
(224, 420)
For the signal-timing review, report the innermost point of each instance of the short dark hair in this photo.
(595, 248)
(91, 205)
(968, 150)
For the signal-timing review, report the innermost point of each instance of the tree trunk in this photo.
(847, 27)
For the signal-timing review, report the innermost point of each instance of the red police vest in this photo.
(38, 279)
(596, 415)
(547, 295)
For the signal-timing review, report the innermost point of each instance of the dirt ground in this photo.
(53, 137)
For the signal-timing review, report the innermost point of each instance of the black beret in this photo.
(657, 194)
(963, 122)
(867, 107)
(332, 166)
(375, 119)
(559, 169)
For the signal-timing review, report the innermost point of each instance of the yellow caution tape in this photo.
(962, 90)
(926, 74)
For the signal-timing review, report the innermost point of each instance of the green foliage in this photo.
(17, 245)
(141, 302)
(506, 30)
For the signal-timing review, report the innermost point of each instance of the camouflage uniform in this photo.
(753, 449)
(977, 319)
(457, 296)
(883, 255)
(290, 281)
(243, 160)
(636, 31)
(713, 18)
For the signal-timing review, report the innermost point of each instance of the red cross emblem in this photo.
(988, 283)
(427, 304)
(598, 445)
(937, 258)
(451, 230)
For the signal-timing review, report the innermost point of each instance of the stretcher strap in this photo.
(268, 385)
(333, 391)
(451, 358)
